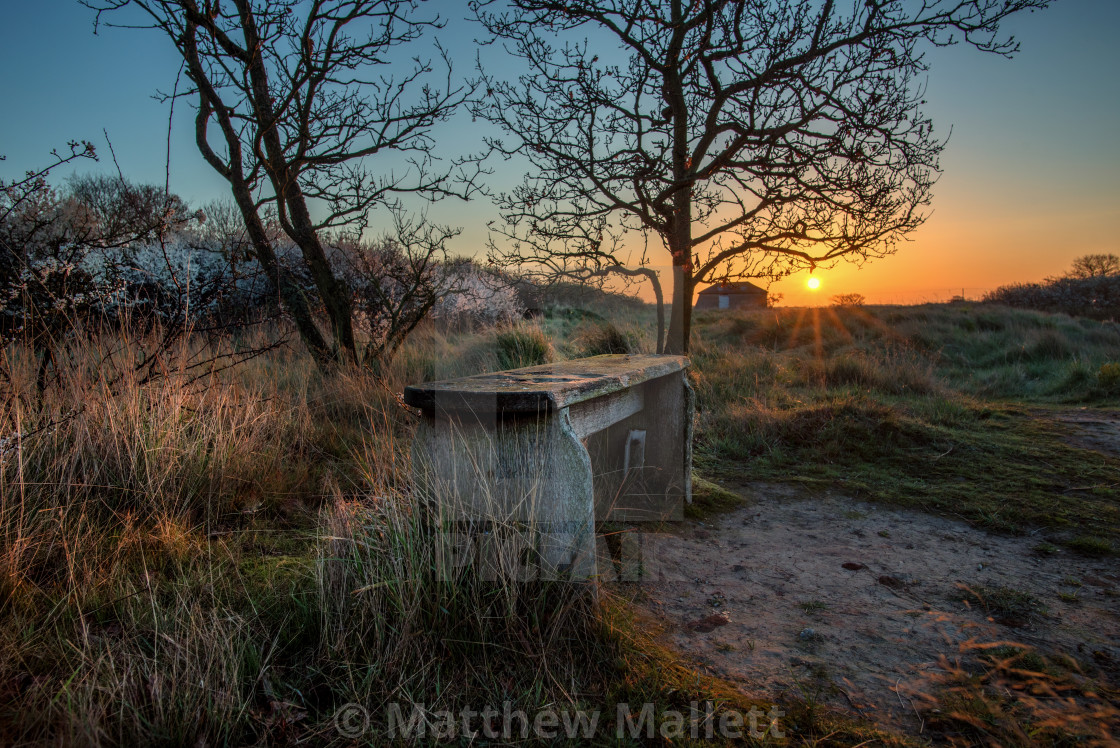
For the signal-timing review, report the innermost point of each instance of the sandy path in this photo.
(1093, 428)
(798, 620)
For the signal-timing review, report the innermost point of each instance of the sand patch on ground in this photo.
(854, 604)
(1094, 429)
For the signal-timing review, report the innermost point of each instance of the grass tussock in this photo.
(1005, 605)
(523, 346)
(595, 339)
(710, 499)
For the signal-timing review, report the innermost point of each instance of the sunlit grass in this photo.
(924, 407)
(230, 561)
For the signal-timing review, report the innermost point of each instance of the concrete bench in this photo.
(546, 451)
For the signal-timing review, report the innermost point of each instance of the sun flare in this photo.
(813, 283)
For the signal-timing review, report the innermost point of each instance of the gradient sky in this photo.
(1031, 173)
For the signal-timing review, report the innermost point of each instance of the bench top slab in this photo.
(543, 388)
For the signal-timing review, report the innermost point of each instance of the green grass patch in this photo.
(875, 404)
(1091, 545)
(1001, 469)
(710, 499)
(1006, 605)
(522, 346)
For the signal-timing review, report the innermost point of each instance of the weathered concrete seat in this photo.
(549, 450)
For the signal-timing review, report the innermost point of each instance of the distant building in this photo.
(732, 296)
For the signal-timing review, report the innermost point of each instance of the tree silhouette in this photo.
(747, 139)
(1095, 266)
(848, 299)
(290, 107)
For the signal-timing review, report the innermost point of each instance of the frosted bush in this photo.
(478, 297)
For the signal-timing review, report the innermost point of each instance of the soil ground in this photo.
(1093, 429)
(855, 604)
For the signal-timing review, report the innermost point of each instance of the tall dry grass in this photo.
(1006, 693)
(230, 559)
(157, 537)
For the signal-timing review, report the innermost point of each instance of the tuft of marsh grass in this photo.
(709, 499)
(522, 346)
(1005, 605)
(1091, 545)
(595, 339)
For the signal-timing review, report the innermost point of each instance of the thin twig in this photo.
(113, 153)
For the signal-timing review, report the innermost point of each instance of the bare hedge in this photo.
(1097, 297)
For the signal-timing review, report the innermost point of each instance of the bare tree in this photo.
(749, 137)
(397, 281)
(290, 105)
(848, 299)
(1094, 266)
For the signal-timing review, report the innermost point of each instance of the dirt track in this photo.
(1092, 428)
(853, 603)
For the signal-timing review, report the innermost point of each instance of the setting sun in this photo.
(813, 283)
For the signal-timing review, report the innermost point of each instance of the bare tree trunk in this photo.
(291, 296)
(294, 213)
(680, 316)
(680, 232)
(332, 292)
(660, 297)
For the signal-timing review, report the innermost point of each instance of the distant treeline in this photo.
(1090, 289)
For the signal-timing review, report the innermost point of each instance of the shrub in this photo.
(478, 297)
(1108, 377)
(1097, 297)
(526, 346)
(597, 339)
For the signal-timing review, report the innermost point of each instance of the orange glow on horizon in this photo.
(960, 252)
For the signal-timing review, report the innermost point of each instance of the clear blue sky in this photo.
(1032, 171)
